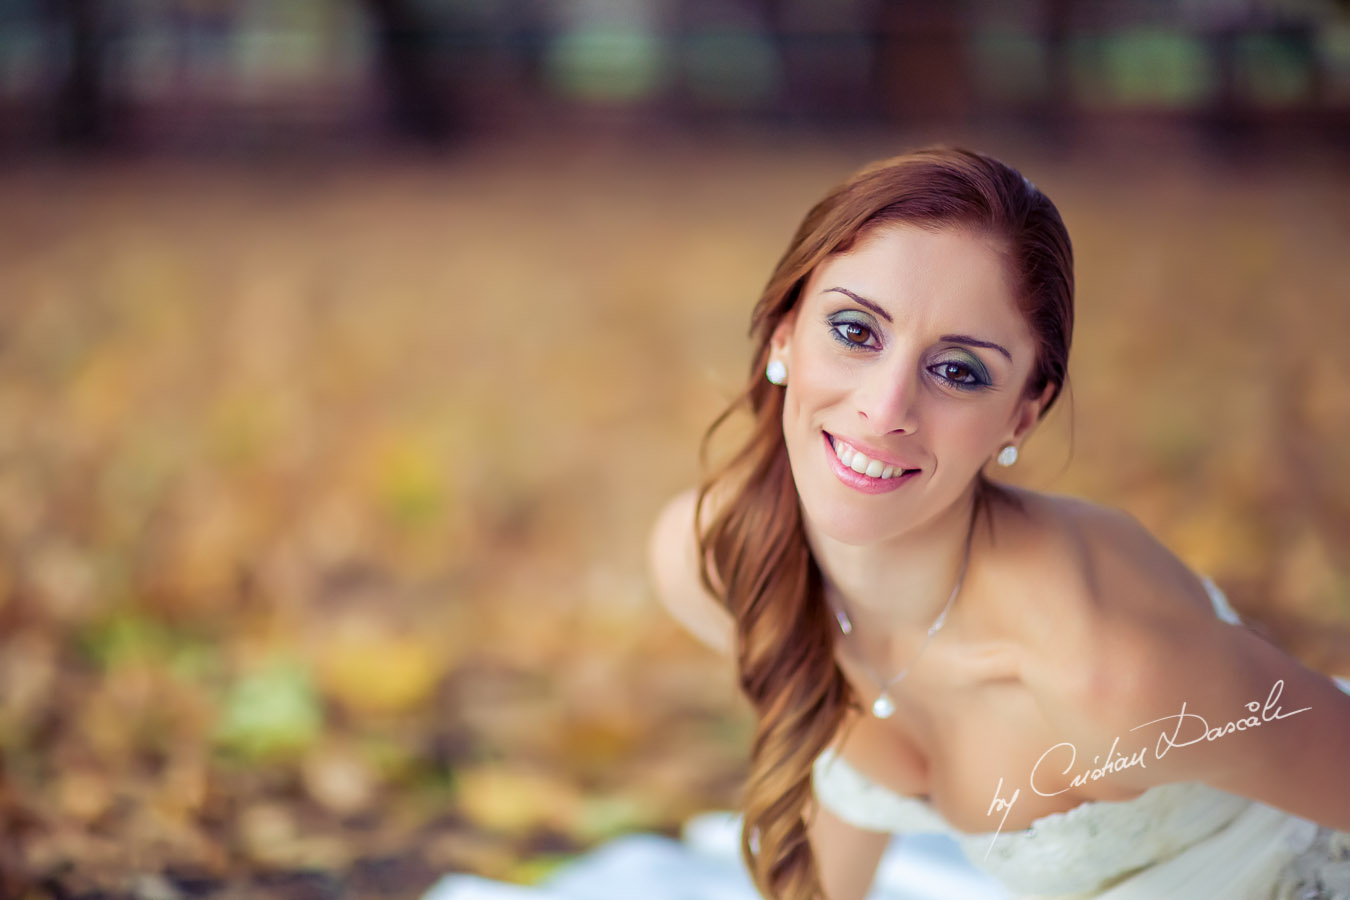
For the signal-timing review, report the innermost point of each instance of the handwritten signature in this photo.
(1270, 711)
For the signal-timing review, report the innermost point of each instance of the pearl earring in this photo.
(776, 371)
(1007, 456)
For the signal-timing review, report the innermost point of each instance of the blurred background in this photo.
(348, 349)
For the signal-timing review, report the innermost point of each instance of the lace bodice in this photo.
(1083, 851)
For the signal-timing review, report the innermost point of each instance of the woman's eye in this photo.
(852, 333)
(958, 373)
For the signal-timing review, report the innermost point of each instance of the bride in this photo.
(926, 649)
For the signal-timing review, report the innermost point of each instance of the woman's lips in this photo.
(858, 481)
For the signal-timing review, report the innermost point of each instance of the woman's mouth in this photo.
(860, 471)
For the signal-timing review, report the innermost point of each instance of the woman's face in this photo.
(910, 349)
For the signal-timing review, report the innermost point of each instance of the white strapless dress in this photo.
(1181, 841)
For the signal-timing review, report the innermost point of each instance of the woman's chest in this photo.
(970, 741)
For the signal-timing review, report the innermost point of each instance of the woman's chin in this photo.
(845, 526)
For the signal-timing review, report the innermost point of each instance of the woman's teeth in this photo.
(861, 464)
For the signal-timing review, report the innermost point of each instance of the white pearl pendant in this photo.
(883, 708)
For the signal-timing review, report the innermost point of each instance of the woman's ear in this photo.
(1030, 413)
(780, 342)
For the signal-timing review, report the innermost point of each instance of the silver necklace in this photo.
(884, 707)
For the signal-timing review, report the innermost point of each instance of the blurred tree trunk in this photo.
(923, 69)
(81, 114)
(417, 98)
(1057, 113)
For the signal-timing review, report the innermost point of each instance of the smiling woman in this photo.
(916, 329)
(897, 347)
(928, 651)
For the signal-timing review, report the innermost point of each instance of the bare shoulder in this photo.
(1092, 593)
(1146, 667)
(1041, 576)
(1096, 564)
(673, 564)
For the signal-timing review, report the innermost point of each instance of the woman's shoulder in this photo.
(1087, 584)
(1153, 663)
(1105, 560)
(673, 566)
(1046, 514)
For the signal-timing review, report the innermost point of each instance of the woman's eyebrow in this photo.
(863, 301)
(976, 342)
(950, 338)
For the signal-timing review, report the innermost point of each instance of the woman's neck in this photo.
(899, 585)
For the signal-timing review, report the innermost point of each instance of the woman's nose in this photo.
(887, 399)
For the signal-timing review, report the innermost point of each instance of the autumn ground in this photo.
(324, 485)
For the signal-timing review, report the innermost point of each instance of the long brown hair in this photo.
(770, 583)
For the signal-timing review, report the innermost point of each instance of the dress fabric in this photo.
(1180, 841)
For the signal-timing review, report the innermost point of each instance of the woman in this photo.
(926, 649)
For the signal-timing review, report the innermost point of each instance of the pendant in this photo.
(883, 707)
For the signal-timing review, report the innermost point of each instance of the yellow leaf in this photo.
(515, 800)
(370, 671)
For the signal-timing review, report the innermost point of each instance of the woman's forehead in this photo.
(908, 267)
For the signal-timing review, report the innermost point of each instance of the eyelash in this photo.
(960, 385)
